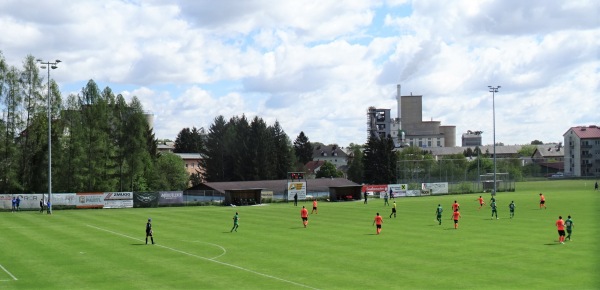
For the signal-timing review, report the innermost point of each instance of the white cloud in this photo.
(316, 66)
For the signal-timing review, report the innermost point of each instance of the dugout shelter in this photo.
(250, 196)
(250, 192)
(348, 192)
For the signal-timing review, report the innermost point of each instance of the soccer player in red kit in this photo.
(378, 221)
(560, 225)
(542, 201)
(455, 217)
(304, 216)
(481, 202)
(455, 206)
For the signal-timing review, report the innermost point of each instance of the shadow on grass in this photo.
(552, 244)
(140, 244)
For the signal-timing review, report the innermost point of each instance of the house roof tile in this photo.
(583, 132)
(311, 166)
(549, 150)
(322, 151)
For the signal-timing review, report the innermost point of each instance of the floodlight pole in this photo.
(48, 65)
(494, 90)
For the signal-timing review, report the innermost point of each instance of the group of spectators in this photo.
(16, 205)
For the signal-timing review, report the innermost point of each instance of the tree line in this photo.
(99, 141)
(239, 150)
(242, 150)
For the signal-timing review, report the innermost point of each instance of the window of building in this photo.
(439, 143)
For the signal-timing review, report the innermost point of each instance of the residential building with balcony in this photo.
(582, 151)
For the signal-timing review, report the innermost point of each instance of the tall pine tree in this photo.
(303, 149)
(283, 154)
(356, 168)
(380, 161)
(215, 154)
(189, 140)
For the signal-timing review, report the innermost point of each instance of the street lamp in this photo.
(49, 65)
(494, 90)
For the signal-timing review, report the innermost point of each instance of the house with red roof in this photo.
(312, 167)
(582, 151)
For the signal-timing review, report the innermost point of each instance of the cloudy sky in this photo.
(317, 65)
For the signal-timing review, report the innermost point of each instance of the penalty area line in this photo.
(207, 259)
(9, 273)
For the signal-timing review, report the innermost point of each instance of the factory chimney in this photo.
(399, 100)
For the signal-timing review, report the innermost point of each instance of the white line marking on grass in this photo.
(11, 275)
(218, 246)
(208, 259)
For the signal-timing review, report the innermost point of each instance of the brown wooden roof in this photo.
(312, 185)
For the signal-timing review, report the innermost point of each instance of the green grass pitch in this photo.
(105, 249)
